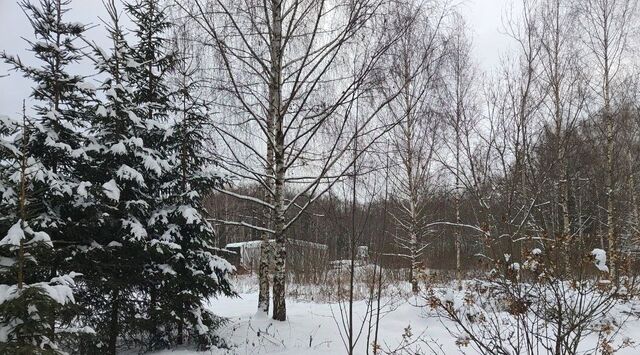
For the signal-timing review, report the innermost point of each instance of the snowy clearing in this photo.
(312, 328)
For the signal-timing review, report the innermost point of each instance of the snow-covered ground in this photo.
(315, 328)
(311, 328)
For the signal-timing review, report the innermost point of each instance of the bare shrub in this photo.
(530, 309)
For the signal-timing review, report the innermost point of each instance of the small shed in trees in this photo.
(246, 255)
(301, 254)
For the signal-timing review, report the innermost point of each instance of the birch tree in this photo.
(565, 84)
(280, 68)
(415, 68)
(459, 97)
(606, 27)
(517, 101)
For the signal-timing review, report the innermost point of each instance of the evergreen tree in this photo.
(184, 271)
(29, 298)
(151, 96)
(200, 273)
(53, 154)
(115, 181)
(122, 166)
(61, 97)
(150, 267)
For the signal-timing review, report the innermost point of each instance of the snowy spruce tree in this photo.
(30, 299)
(123, 167)
(184, 272)
(152, 258)
(47, 227)
(151, 96)
(200, 273)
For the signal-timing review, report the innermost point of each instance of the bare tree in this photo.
(281, 69)
(459, 99)
(565, 85)
(606, 26)
(415, 68)
(350, 331)
(524, 102)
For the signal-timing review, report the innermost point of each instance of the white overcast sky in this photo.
(483, 16)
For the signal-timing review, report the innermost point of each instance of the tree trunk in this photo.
(352, 245)
(458, 237)
(265, 250)
(279, 277)
(153, 331)
(413, 271)
(413, 200)
(113, 323)
(180, 340)
(566, 220)
(275, 96)
(634, 198)
(611, 237)
(23, 194)
(263, 275)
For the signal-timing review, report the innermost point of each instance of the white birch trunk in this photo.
(275, 96)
